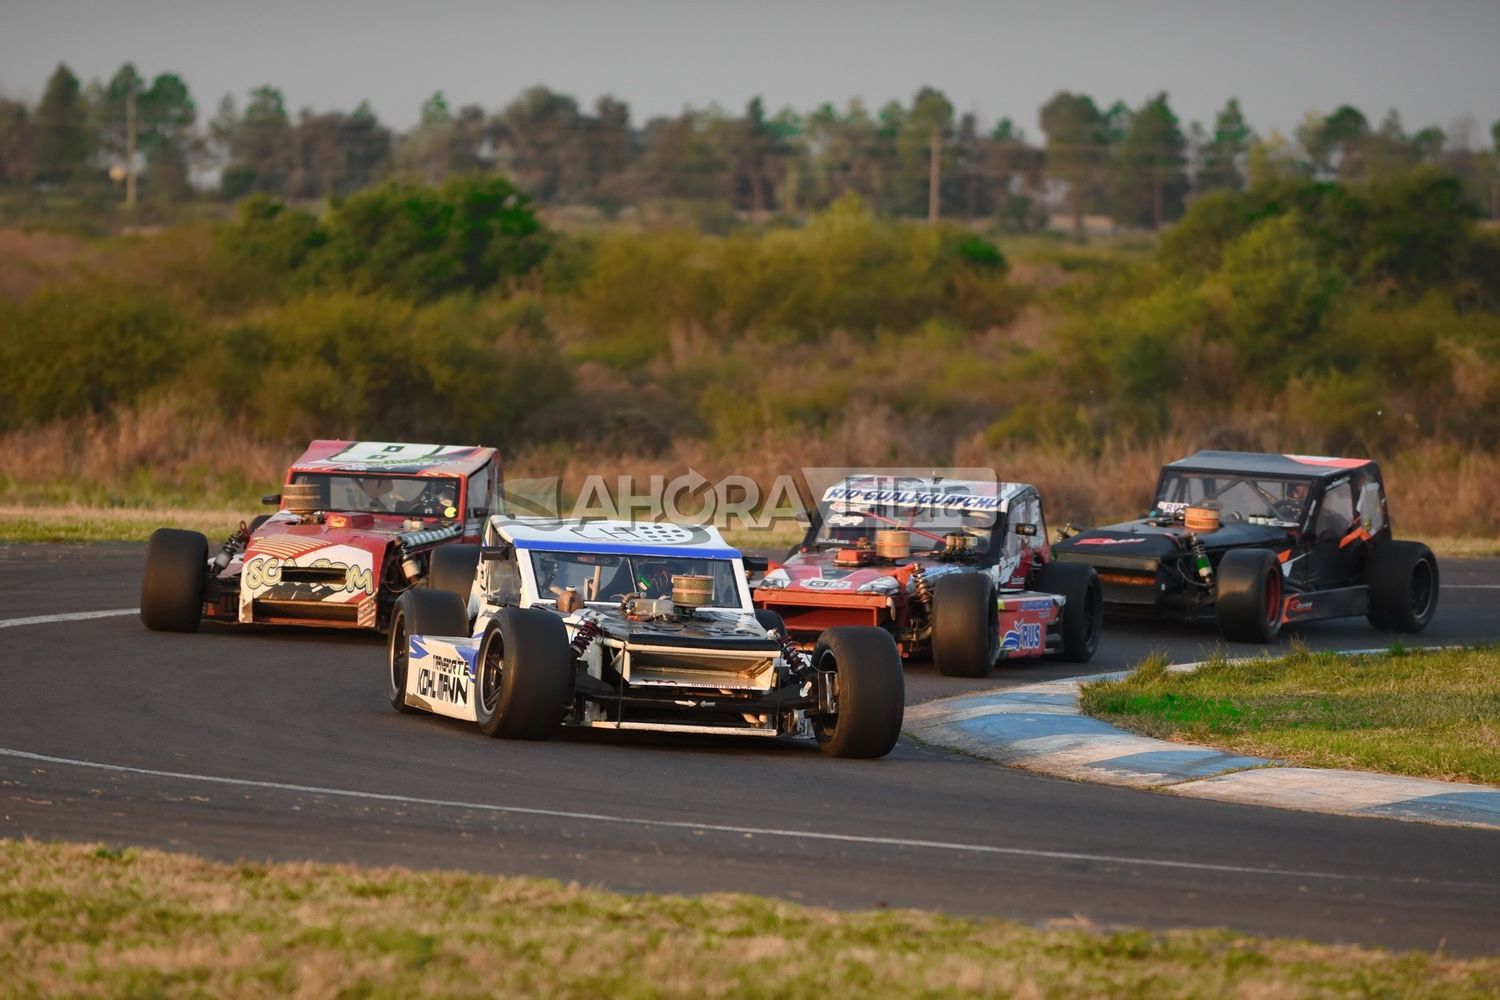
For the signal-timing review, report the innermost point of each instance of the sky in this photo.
(1435, 62)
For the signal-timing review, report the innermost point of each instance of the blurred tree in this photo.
(612, 151)
(1013, 168)
(971, 193)
(929, 121)
(337, 153)
(847, 154)
(443, 144)
(1225, 152)
(678, 160)
(262, 146)
(544, 146)
(1334, 144)
(166, 136)
(1074, 148)
(16, 164)
(1147, 175)
(1273, 159)
(62, 146)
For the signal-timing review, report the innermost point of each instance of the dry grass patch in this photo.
(83, 920)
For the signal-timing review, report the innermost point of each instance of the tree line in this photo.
(1137, 165)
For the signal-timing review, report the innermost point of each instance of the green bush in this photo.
(85, 349)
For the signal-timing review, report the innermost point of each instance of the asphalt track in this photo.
(280, 745)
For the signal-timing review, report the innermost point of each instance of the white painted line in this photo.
(74, 616)
(1471, 586)
(844, 838)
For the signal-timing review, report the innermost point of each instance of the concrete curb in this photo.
(1039, 727)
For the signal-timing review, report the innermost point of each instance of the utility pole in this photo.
(130, 148)
(934, 178)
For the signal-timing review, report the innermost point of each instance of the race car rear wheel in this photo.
(525, 670)
(1248, 602)
(965, 625)
(871, 688)
(1083, 614)
(419, 612)
(1403, 581)
(451, 567)
(172, 586)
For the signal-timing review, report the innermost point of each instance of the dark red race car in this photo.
(1258, 541)
(958, 570)
(359, 522)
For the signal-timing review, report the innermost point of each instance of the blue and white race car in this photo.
(624, 625)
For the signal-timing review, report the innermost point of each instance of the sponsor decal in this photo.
(1108, 541)
(851, 498)
(1026, 604)
(1024, 637)
(442, 687)
(1297, 605)
(1171, 506)
(824, 583)
(265, 571)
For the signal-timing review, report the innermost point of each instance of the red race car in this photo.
(359, 523)
(957, 569)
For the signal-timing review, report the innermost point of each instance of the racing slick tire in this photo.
(1248, 601)
(1083, 614)
(1403, 581)
(172, 586)
(419, 612)
(452, 567)
(523, 675)
(871, 686)
(256, 522)
(771, 621)
(965, 625)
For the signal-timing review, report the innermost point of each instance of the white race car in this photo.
(620, 625)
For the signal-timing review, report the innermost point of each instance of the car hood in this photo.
(718, 629)
(1134, 539)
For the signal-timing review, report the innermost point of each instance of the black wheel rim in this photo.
(1421, 590)
(398, 656)
(491, 673)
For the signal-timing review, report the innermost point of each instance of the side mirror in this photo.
(495, 553)
(1028, 530)
(271, 499)
(757, 564)
(478, 511)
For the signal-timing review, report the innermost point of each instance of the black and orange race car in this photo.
(1258, 541)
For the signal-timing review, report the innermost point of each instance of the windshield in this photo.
(381, 493)
(927, 528)
(1239, 497)
(600, 577)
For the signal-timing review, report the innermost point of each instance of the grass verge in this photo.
(1424, 713)
(85, 920)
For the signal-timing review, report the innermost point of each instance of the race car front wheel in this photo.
(965, 625)
(525, 671)
(1403, 581)
(871, 689)
(1248, 601)
(419, 612)
(172, 586)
